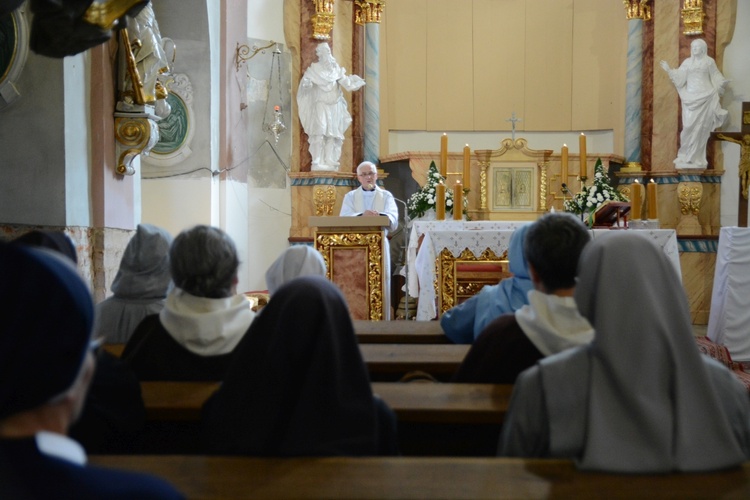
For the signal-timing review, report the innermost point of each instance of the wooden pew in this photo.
(405, 477)
(415, 402)
(436, 359)
(374, 332)
(399, 332)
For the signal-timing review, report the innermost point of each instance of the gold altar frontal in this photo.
(355, 252)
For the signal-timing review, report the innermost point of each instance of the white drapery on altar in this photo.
(495, 235)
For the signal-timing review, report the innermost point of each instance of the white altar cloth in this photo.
(729, 320)
(498, 241)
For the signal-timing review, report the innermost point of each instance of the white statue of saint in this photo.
(700, 85)
(322, 108)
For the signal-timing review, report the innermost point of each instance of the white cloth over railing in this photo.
(496, 239)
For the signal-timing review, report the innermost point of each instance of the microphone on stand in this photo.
(565, 189)
(405, 229)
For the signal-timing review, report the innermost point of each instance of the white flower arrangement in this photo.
(424, 200)
(590, 198)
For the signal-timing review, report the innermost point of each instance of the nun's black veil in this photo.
(297, 385)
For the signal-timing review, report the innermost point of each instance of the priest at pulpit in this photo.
(368, 198)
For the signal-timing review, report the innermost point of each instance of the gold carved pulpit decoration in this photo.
(354, 250)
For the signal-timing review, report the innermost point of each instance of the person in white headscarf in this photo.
(194, 336)
(550, 322)
(140, 286)
(295, 261)
(640, 398)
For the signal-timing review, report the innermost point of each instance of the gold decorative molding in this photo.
(632, 166)
(446, 287)
(543, 186)
(322, 21)
(326, 243)
(637, 9)
(690, 195)
(692, 17)
(106, 14)
(135, 136)
(324, 199)
(484, 165)
(368, 11)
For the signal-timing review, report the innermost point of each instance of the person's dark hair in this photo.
(204, 262)
(552, 247)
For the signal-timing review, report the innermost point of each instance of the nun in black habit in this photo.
(297, 385)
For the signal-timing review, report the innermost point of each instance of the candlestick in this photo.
(564, 164)
(582, 152)
(467, 166)
(458, 201)
(635, 201)
(444, 155)
(651, 198)
(440, 202)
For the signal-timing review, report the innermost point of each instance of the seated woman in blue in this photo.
(297, 385)
(463, 323)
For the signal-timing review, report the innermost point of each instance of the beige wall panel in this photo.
(499, 32)
(450, 99)
(600, 45)
(406, 64)
(548, 68)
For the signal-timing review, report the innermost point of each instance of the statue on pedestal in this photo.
(322, 108)
(700, 84)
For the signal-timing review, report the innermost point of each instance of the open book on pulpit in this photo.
(611, 215)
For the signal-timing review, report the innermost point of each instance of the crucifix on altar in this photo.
(513, 121)
(743, 139)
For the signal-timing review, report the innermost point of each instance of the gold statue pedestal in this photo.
(355, 250)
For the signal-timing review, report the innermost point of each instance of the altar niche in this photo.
(512, 182)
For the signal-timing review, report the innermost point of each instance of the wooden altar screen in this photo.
(355, 251)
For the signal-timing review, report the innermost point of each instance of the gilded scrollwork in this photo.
(484, 166)
(446, 286)
(543, 186)
(372, 242)
(324, 199)
(690, 197)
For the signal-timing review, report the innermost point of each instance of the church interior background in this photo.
(557, 68)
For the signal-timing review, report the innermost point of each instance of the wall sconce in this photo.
(322, 21)
(637, 9)
(368, 11)
(692, 17)
(242, 51)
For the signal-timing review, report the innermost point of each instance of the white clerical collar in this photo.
(59, 446)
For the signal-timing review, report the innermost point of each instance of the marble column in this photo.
(372, 92)
(633, 84)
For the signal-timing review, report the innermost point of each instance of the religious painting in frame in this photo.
(14, 42)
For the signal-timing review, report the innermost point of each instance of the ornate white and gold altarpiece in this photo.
(355, 252)
(445, 246)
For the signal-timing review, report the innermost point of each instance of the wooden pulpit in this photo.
(355, 250)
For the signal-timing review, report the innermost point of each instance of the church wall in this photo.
(735, 68)
(542, 59)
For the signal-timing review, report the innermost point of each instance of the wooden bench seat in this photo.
(406, 477)
(415, 402)
(390, 359)
(399, 332)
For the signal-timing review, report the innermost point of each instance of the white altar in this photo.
(457, 236)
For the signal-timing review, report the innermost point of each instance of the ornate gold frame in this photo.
(513, 153)
(447, 288)
(372, 241)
